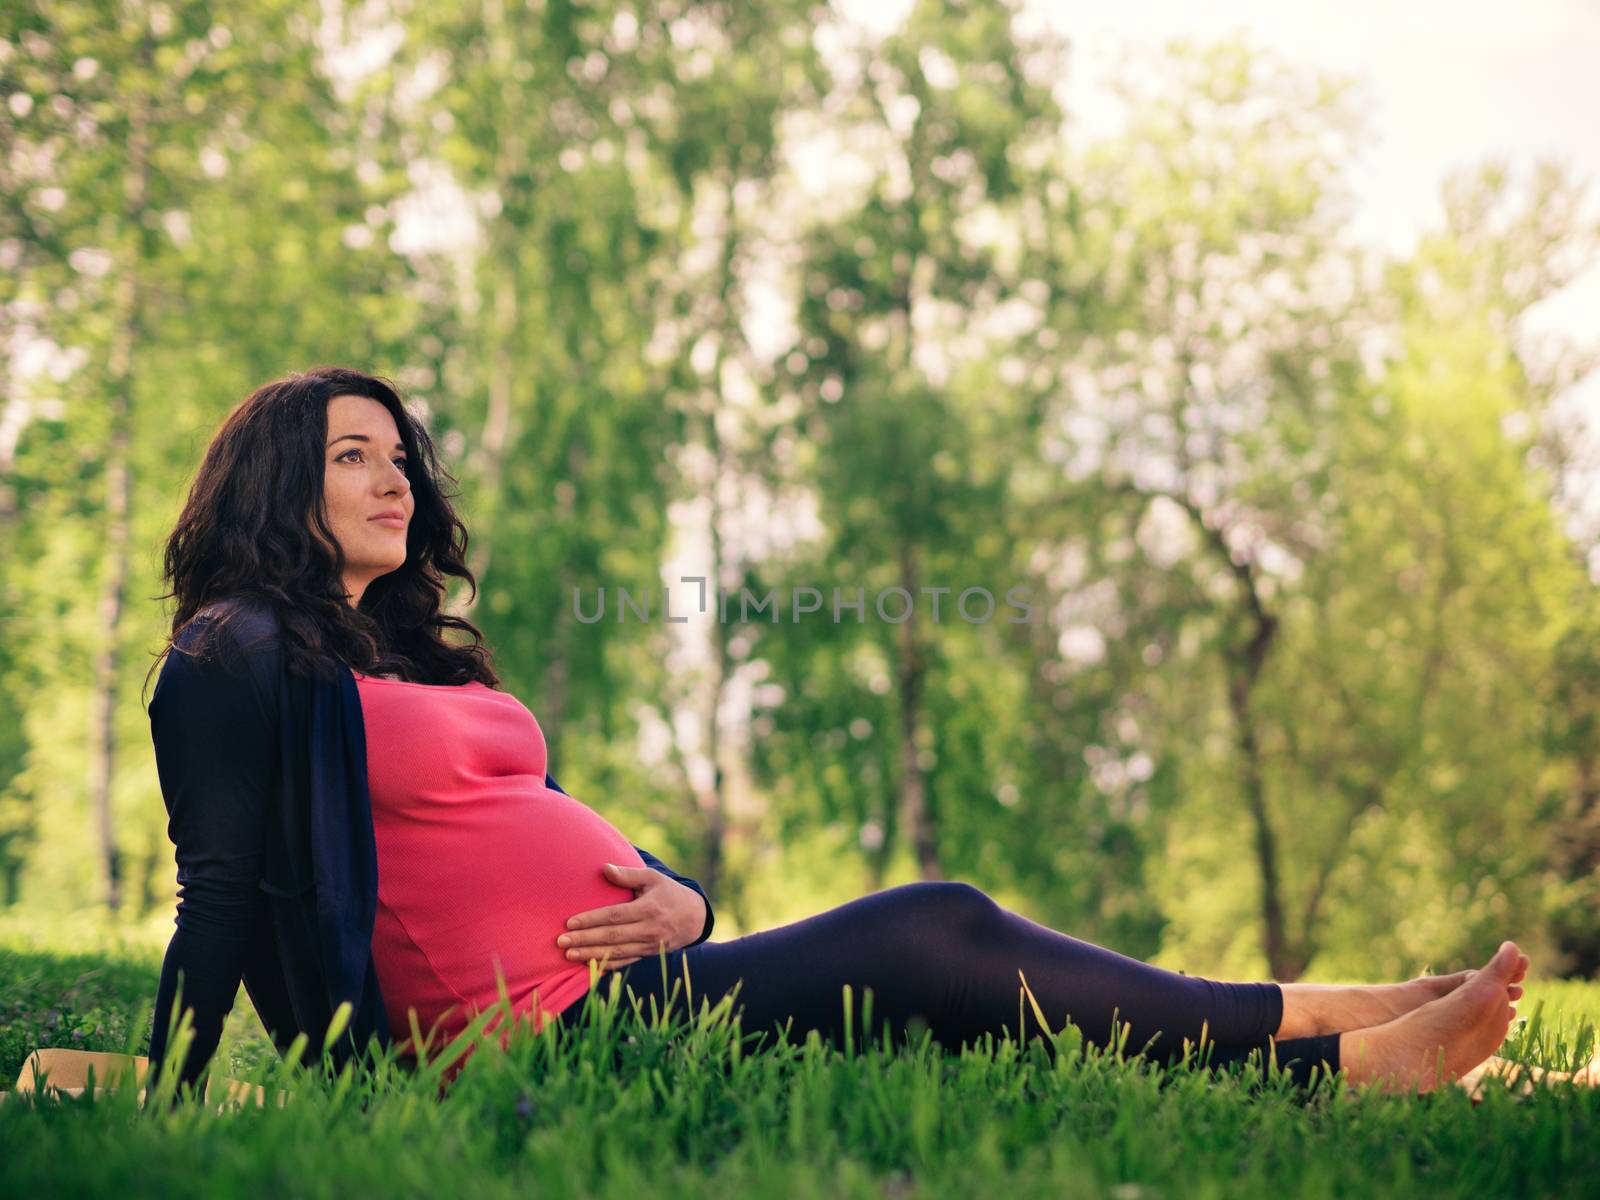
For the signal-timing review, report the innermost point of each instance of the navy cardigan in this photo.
(264, 775)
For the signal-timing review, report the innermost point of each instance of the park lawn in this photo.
(627, 1107)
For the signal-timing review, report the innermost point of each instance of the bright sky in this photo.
(1448, 83)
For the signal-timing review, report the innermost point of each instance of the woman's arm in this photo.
(654, 863)
(216, 748)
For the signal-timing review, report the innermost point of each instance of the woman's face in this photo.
(364, 478)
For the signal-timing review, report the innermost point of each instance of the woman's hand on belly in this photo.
(664, 914)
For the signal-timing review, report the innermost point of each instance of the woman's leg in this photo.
(947, 955)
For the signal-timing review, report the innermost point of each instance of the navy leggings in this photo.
(945, 956)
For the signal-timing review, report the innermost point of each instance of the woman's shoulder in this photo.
(241, 624)
(240, 611)
(227, 644)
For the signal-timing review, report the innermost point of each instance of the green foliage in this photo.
(1144, 377)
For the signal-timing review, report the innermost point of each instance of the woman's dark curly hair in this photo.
(246, 533)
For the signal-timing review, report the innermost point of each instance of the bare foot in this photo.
(1444, 1039)
(1521, 1078)
(1310, 1009)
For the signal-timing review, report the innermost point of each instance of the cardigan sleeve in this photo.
(216, 750)
(655, 864)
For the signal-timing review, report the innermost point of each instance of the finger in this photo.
(614, 914)
(641, 944)
(609, 935)
(630, 876)
(612, 953)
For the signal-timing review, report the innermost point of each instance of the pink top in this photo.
(479, 863)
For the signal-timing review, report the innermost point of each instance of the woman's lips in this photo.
(391, 522)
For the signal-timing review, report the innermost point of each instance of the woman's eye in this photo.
(399, 462)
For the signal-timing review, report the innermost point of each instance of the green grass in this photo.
(624, 1106)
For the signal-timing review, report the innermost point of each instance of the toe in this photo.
(1504, 962)
(1443, 985)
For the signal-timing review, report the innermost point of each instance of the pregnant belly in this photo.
(469, 888)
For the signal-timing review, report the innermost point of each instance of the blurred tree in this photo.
(738, 73)
(602, 150)
(179, 173)
(1310, 675)
(1197, 416)
(1416, 567)
(549, 395)
(908, 465)
(1450, 565)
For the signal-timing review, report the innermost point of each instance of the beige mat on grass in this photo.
(67, 1073)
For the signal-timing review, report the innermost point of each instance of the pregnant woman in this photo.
(361, 815)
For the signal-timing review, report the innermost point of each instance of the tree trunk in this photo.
(102, 736)
(879, 855)
(504, 318)
(1578, 858)
(918, 820)
(496, 433)
(15, 412)
(714, 805)
(150, 871)
(558, 675)
(119, 383)
(1284, 961)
